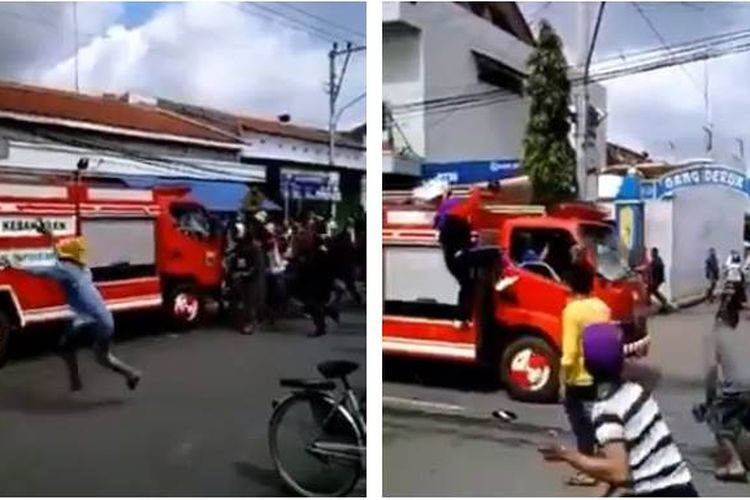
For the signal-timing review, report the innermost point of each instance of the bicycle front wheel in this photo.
(315, 445)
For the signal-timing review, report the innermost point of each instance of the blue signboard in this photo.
(701, 176)
(467, 172)
(304, 185)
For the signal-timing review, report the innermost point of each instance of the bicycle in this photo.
(317, 439)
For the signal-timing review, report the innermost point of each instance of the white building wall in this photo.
(658, 228)
(704, 217)
(266, 146)
(447, 34)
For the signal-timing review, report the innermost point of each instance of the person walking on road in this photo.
(733, 273)
(638, 456)
(712, 274)
(727, 406)
(657, 279)
(314, 282)
(90, 314)
(577, 390)
(249, 278)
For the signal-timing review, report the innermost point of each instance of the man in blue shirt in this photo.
(90, 313)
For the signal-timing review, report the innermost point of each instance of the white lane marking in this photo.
(422, 404)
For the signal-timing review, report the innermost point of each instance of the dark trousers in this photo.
(276, 295)
(74, 338)
(315, 282)
(458, 267)
(578, 401)
(249, 302)
(710, 290)
(654, 291)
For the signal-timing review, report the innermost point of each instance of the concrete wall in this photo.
(658, 233)
(272, 147)
(704, 216)
(443, 67)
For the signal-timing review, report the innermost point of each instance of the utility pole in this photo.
(708, 128)
(334, 87)
(332, 91)
(585, 121)
(581, 104)
(75, 35)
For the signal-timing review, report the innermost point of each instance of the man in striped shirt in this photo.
(637, 449)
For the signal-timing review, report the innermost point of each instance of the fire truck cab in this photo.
(147, 249)
(516, 331)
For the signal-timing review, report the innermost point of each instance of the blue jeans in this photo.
(578, 402)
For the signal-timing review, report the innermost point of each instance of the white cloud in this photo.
(204, 53)
(651, 110)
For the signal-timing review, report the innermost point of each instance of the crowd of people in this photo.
(270, 263)
(622, 439)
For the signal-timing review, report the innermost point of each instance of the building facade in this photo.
(298, 174)
(123, 137)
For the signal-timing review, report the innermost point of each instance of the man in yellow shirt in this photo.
(577, 391)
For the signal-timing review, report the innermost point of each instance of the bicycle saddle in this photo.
(337, 369)
(312, 384)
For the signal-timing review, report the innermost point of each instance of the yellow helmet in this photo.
(72, 248)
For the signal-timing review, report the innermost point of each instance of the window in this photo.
(192, 220)
(497, 74)
(401, 54)
(543, 251)
(609, 252)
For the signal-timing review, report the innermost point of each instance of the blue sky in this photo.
(260, 59)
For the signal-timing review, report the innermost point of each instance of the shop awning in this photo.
(216, 196)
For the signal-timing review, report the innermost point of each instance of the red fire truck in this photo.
(516, 331)
(147, 249)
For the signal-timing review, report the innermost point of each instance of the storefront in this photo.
(469, 172)
(326, 191)
(683, 213)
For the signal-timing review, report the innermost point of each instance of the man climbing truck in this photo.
(517, 330)
(148, 249)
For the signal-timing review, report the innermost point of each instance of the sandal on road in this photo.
(731, 476)
(581, 479)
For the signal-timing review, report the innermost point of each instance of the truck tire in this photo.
(529, 369)
(5, 332)
(184, 307)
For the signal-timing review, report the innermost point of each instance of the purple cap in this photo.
(603, 350)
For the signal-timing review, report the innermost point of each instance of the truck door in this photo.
(542, 290)
(189, 245)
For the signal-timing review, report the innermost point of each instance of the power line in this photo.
(283, 19)
(664, 43)
(291, 6)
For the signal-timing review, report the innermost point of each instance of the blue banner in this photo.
(702, 175)
(468, 172)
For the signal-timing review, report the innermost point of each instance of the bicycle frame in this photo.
(349, 403)
(350, 408)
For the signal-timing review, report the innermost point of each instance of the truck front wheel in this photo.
(184, 307)
(529, 370)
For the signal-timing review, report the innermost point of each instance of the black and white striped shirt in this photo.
(630, 415)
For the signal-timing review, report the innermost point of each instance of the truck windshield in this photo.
(610, 262)
(192, 220)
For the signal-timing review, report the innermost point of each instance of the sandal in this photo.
(581, 479)
(724, 474)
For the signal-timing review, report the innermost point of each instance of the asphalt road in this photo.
(438, 438)
(197, 425)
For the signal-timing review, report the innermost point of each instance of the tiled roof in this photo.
(235, 124)
(101, 110)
